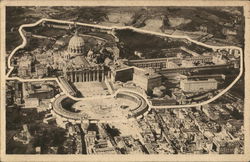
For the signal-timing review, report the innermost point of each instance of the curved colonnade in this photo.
(62, 115)
(141, 108)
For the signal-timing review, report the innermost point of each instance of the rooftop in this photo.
(78, 61)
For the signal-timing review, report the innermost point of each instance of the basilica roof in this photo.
(78, 62)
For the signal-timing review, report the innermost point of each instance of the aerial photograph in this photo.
(124, 80)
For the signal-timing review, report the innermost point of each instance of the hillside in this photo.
(161, 19)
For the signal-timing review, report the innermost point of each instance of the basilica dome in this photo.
(76, 45)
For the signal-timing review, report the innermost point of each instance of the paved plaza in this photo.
(105, 109)
(88, 89)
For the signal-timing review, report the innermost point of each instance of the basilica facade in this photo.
(77, 67)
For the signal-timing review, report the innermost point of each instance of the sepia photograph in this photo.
(125, 80)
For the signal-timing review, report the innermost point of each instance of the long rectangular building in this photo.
(162, 63)
(200, 85)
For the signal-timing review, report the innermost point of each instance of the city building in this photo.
(149, 63)
(122, 74)
(37, 90)
(172, 62)
(198, 85)
(90, 138)
(41, 70)
(24, 69)
(31, 102)
(38, 150)
(146, 80)
(105, 150)
(18, 93)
